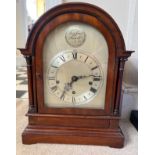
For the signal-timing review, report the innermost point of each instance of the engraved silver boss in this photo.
(75, 36)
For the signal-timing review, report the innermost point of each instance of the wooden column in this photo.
(119, 85)
(32, 107)
(28, 58)
(122, 56)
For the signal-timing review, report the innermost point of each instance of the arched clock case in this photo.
(75, 56)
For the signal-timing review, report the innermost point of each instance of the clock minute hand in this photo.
(85, 76)
(66, 88)
(63, 95)
(94, 75)
(76, 78)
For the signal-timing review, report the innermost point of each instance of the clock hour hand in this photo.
(73, 79)
(95, 75)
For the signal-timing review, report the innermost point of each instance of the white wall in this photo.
(21, 29)
(131, 68)
(21, 23)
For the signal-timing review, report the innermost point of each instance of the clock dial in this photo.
(75, 67)
(70, 84)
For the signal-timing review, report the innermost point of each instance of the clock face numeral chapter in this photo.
(78, 86)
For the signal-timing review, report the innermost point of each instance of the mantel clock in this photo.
(75, 57)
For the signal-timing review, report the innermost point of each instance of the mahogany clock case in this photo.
(75, 125)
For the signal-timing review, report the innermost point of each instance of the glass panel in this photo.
(75, 59)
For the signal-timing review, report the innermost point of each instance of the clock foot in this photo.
(64, 135)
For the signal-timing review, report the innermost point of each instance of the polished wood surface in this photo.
(75, 125)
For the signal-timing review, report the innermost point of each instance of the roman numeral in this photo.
(96, 79)
(54, 88)
(75, 55)
(93, 90)
(54, 66)
(62, 58)
(94, 67)
(86, 59)
(73, 100)
(51, 78)
(85, 97)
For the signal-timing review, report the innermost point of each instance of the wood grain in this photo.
(70, 125)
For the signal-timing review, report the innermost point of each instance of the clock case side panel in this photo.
(46, 127)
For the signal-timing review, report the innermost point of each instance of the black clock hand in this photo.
(66, 88)
(94, 75)
(63, 95)
(83, 76)
(73, 79)
(76, 78)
